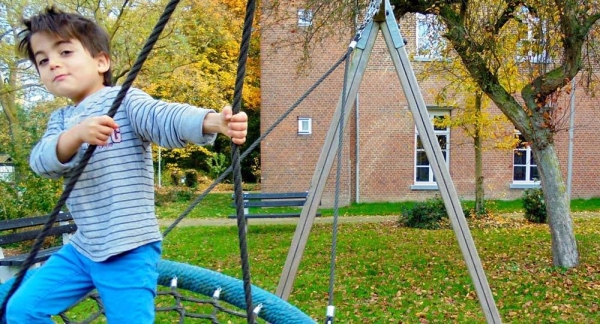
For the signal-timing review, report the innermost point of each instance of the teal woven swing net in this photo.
(188, 293)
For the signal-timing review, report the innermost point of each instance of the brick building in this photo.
(381, 160)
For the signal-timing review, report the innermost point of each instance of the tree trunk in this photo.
(478, 146)
(564, 246)
(479, 190)
(8, 104)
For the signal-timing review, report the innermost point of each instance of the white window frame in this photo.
(532, 24)
(428, 37)
(430, 184)
(305, 17)
(524, 149)
(304, 125)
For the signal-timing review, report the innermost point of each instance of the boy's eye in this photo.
(66, 52)
(42, 62)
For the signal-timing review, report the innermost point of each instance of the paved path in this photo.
(233, 222)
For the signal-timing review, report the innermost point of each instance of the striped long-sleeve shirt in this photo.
(113, 200)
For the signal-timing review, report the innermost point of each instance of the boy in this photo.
(118, 243)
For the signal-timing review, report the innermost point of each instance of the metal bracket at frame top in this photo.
(385, 15)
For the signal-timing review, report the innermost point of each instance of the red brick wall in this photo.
(386, 132)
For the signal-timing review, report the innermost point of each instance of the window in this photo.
(7, 168)
(7, 172)
(525, 171)
(305, 17)
(304, 126)
(424, 178)
(430, 43)
(531, 45)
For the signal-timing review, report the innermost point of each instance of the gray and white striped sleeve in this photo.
(43, 159)
(170, 125)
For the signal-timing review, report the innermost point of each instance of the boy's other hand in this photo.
(236, 125)
(97, 130)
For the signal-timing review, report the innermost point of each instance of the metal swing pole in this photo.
(325, 163)
(417, 106)
(386, 22)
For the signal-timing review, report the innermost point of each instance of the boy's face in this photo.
(66, 68)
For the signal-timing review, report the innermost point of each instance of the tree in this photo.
(469, 111)
(18, 82)
(26, 105)
(198, 65)
(475, 32)
(485, 130)
(560, 38)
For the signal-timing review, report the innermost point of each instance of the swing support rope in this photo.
(370, 13)
(235, 158)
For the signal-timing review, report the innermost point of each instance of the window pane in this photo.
(304, 125)
(442, 141)
(304, 17)
(531, 160)
(522, 142)
(520, 157)
(533, 174)
(422, 174)
(519, 174)
(429, 40)
(419, 143)
(422, 158)
(423, 171)
(436, 120)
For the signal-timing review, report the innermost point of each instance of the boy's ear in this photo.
(103, 61)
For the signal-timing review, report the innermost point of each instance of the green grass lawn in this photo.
(389, 274)
(219, 205)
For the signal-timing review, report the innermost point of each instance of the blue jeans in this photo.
(126, 284)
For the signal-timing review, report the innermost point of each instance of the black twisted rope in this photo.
(370, 13)
(235, 158)
(152, 39)
(329, 315)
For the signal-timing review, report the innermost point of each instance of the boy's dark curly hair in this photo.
(66, 26)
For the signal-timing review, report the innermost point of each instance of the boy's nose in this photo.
(54, 63)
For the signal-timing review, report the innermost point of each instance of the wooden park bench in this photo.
(15, 231)
(270, 200)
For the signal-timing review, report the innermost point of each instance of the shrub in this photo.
(33, 196)
(162, 196)
(10, 205)
(217, 164)
(191, 178)
(428, 214)
(165, 195)
(176, 176)
(184, 195)
(534, 205)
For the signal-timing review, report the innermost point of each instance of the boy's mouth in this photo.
(60, 77)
